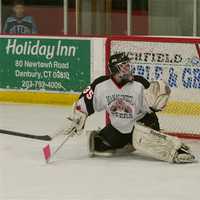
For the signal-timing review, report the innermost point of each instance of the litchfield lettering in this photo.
(36, 48)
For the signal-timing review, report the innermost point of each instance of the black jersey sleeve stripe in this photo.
(142, 80)
(87, 94)
(89, 105)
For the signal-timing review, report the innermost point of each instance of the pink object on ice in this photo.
(47, 152)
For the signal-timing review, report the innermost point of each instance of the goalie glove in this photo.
(157, 95)
(77, 121)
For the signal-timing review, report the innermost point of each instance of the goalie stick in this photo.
(33, 136)
(47, 149)
(26, 135)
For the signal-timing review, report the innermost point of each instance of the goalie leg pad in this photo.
(159, 145)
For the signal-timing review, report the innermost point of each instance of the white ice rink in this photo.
(73, 175)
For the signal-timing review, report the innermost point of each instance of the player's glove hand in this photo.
(157, 95)
(76, 121)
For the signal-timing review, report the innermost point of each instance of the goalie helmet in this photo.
(120, 63)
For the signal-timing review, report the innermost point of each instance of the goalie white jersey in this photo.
(122, 103)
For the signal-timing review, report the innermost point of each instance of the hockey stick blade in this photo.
(47, 149)
(47, 153)
(30, 136)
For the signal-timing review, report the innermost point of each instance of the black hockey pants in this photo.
(110, 138)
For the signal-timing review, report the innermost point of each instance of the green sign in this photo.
(44, 64)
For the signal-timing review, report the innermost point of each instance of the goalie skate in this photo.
(183, 155)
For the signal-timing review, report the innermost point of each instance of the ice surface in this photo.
(72, 175)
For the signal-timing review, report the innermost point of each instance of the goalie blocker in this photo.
(146, 140)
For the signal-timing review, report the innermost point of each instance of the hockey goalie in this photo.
(131, 103)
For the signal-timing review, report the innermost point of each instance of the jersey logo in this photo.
(121, 109)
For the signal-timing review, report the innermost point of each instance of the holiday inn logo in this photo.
(39, 48)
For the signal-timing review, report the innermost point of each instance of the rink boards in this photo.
(38, 97)
(54, 70)
(50, 70)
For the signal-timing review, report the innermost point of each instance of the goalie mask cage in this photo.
(176, 60)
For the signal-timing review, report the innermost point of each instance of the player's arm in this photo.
(156, 93)
(29, 22)
(34, 27)
(86, 105)
(5, 28)
(156, 96)
(142, 80)
(90, 99)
